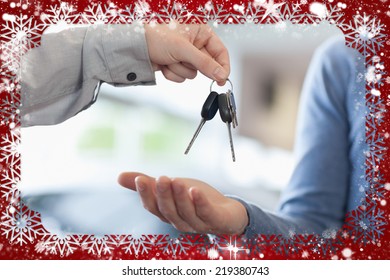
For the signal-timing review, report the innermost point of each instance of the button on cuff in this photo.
(131, 76)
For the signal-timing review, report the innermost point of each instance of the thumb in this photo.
(202, 62)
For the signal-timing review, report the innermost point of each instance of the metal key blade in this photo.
(231, 141)
(226, 117)
(209, 109)
(202, 122)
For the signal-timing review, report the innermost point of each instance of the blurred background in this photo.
(69, 171)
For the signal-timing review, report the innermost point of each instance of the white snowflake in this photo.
(138, 246)
(142, 9)
(19, 34)
(10, 147)
(174, 246)
(365, 34)
(335, 15)
(130, 15)
(367, 223)
(9, 185)
(98, 245)
(62, 15)
(99, 14)
(291, 13)
(210, 12)
(252, 13)
(38, 9)
(7, 83)
(58, 245)
(176, 12)
(9, 106)
(20, 225)
(272, 9)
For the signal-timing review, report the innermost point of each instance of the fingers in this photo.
(204, 63)
(169, 75)
(147, 191)
(178, 72)
(185, 207)
(203, 207)
(184, 70)
(221, 82)
(156, 197)
(206, 39)
(167, 207)
(175, 201)
(127, 179)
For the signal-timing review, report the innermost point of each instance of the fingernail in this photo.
(140, 186)
(220, 74)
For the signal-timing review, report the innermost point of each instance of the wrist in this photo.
(241, 217)
(245, 220)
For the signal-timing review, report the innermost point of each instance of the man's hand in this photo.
(189, 205)
(180, 50)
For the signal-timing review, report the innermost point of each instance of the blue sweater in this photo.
(328, 180)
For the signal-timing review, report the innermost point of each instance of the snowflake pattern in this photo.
(9, 185)
(21, 225)
(286, 245)
(174, 246)
(365, 34)
(20, 33)
(10, 147)
(9, 112)
(63, 15)
(99, 14)
(138, 246)
(57, 245)
(367, 223)
(99, 245)
(330, 241)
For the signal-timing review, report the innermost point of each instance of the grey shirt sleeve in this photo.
(62, 76)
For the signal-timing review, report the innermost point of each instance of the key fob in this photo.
(224, 110)
(210, 106)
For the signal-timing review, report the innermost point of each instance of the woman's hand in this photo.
(189, 205)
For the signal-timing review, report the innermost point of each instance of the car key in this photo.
(209, 109)
(227, 117)
(232, 107)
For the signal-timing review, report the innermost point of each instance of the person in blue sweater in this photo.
(328, 180)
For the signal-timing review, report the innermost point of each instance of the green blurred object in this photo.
(165, 138)
(98, 138)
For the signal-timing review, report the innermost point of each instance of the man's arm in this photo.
(61, 77)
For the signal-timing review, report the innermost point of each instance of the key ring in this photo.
(227, 80)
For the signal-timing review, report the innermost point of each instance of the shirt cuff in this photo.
(126, 55)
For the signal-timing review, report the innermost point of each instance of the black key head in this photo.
(210, 106)
(224, 110)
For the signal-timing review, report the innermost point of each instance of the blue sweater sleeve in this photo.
(316, 197)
